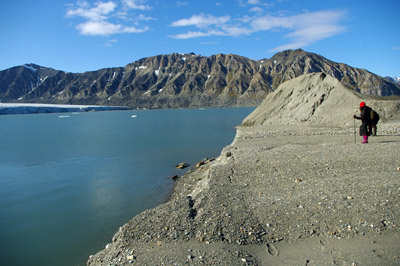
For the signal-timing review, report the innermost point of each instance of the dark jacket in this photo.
(365, 119)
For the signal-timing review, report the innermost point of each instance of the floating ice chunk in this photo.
(160, 90)
(63, 116)
(133, 116)
(157, 72)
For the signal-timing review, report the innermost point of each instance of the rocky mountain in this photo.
(318, 99)
(395, 79)
(182, 80)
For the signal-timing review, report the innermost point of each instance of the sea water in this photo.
(68, 182)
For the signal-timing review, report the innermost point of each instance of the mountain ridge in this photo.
(182, 80)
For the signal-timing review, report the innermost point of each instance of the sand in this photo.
(278, 195)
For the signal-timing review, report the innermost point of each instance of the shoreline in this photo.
(272, 190)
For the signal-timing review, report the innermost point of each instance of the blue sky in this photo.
(79, 36)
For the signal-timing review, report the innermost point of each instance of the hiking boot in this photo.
(365, 139)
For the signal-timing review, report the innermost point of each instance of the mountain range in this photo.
(182, 81)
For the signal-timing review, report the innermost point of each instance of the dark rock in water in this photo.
(174, 177)
(182, 165)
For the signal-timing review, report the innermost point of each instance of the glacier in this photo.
(36, 108)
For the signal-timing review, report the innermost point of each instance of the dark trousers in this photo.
(372, 128)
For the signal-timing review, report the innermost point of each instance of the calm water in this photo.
(68, 183)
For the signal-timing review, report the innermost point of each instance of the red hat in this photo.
(362, 104)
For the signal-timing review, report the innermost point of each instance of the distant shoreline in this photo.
(38, 108)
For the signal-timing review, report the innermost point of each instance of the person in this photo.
(374, 121)
(365, 121)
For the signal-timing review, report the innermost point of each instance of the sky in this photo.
(85, 35)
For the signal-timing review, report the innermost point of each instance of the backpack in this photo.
(374, 115)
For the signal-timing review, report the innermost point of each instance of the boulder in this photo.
(182, 165)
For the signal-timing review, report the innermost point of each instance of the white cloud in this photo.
(302, 30)
(197, 34)
(110, 43)
(103, 28)
(231, 30)
(190, 35)
(98, 28)
(253, 2)
(99, 15)
(309, 28)
(211, 26)
(201, 21)
(181, 3)
(96, 13)
(136, 4)
(256, 9)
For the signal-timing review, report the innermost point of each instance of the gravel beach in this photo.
(278, 195)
